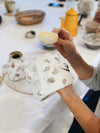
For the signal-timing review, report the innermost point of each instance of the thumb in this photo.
(63, 42)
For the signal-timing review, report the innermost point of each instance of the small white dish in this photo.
(9, 13)
(30, 34)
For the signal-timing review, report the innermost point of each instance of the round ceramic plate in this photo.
(22, 86)
(9, 13)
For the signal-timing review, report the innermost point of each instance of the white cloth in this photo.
(22, 113)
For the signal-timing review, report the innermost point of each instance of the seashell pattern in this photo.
(52, 72)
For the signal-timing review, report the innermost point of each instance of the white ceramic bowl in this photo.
(91, 40)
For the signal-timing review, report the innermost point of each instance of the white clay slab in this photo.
(48, 73)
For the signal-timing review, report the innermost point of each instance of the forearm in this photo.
(83, 70)
(88, 121)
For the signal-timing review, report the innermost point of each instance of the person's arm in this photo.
(67, 49)
(88, 74)
(83, 70)
(88, 121)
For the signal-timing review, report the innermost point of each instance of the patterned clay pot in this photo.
(16, 66)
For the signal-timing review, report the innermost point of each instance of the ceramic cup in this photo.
(10, 6)
(16, 66)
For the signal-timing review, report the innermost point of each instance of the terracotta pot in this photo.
(30, 17)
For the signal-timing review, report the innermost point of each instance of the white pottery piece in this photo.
(48, 73)
(85, 6)
(16, 66)
(11, 6)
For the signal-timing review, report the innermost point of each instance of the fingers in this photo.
(59, 48)
(63, 42)
(65, 35)
(60, 45)
(56, 30)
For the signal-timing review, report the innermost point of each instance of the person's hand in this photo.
(64, 44)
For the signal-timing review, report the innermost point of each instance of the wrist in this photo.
(73, 57)
(66, 91)
(71, 53)
(83, 70)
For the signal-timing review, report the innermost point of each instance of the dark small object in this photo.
(33, 32)
(16, 56)
(55, 5)
(61, 0)
(66, 69)
(30, 34)
(0, 19)
(81, 17)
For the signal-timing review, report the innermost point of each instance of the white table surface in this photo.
(21, 113)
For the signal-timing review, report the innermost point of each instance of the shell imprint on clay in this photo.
(12, 65)
(56, 59)
(51, 80)
(64, 81)
(55, 71)
(38, 93)
(46, 60)
(47, 69)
